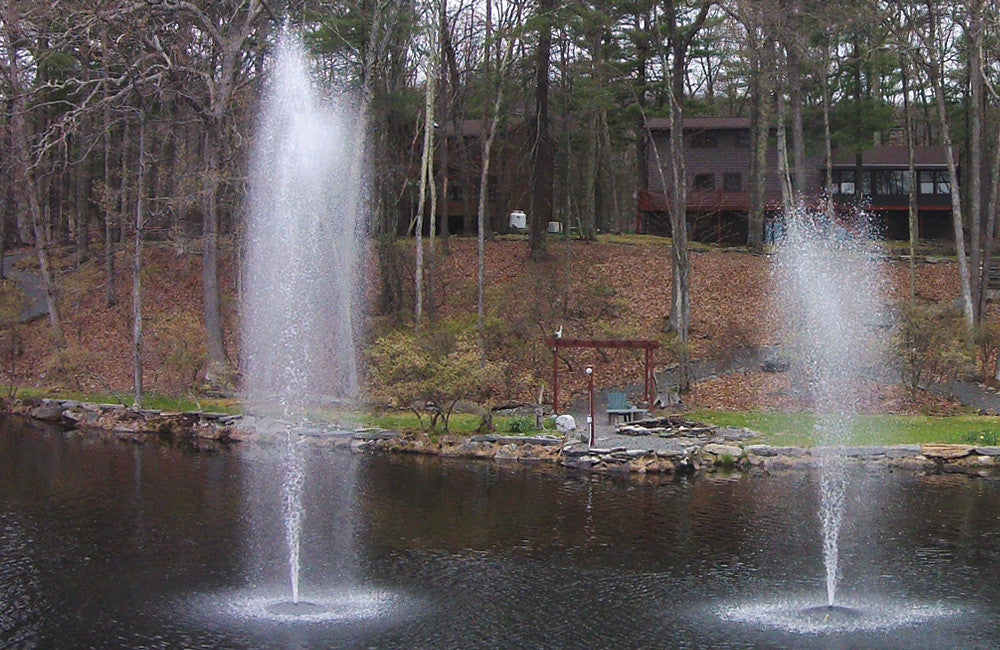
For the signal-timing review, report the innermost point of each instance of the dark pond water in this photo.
(103, 544)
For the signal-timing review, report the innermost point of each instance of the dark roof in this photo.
(894, 156)
(700, 123)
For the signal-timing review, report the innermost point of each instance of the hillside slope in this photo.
(602, 290)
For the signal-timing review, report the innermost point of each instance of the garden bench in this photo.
(618, 404)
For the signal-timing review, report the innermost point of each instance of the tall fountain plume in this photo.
(830, 279)
(299, 272)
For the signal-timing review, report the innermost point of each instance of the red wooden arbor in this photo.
(619, 344)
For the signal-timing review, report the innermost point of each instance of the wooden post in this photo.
(614, 344)
(649, 376)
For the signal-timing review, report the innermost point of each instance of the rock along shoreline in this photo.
(691, 449)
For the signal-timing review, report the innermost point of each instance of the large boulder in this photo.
(946, 452)
(565, 424)
(47, 412)
(722, 450)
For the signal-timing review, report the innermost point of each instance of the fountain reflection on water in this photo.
(299, 272)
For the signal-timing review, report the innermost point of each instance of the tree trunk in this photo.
(446, 98)
(859, 182)
(481, 209)
(827, 140)
(911, 168)
(543, 150)
(25, 176)
(81, 181)
(680, 312)
(783, 175)
(859, 185)
(956, 202)
(609, 173)
(590, 183)
(991, 221)
(760, 132)
(989, 241)
(140, 222)
(426, 178)
(109, 213)
(642, 133)
(218, 367)
(975, 171)
(798, 132)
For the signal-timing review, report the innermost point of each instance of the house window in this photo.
(455, 191)
(934, 182)
(703, 140)
(926, 182)
(742, 140)
(732, 182)
(843, 181)
(704, 181)
(889, 181)
(907, 181)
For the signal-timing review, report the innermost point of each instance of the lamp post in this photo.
(590, 418)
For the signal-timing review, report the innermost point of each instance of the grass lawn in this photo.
(459, 423)
(149, 401)
(797, 428)
(794, 429)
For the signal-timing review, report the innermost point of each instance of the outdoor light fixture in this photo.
(590, 418)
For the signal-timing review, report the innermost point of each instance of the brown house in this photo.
(717, 159)
(717, 156)
(508, 182)
(885, 188)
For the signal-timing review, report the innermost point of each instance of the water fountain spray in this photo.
(299, 273)
(830, 276)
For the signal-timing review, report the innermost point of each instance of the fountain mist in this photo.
(299, 272)
(830, 281)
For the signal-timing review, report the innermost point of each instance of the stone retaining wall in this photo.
(129, 424)
(670, 456)
(713, 456)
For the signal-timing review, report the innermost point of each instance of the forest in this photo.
(129, 121)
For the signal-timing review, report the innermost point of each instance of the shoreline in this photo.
(712, 451)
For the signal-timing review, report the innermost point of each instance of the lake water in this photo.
(109, 544)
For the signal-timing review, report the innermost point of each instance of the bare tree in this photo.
(426, 179)
(754, 18)
(913, 222)
(505, 23)
(679, 38)
(927, 29)
(222, 31)
(139, 232)
(12, 69)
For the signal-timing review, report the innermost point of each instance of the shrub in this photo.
(980, 438)
(11, 355)
(726, 461)
(177, 339)
(430, 370)
(931, 342)
(12, 302)
(988, 341)
(520, 424)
